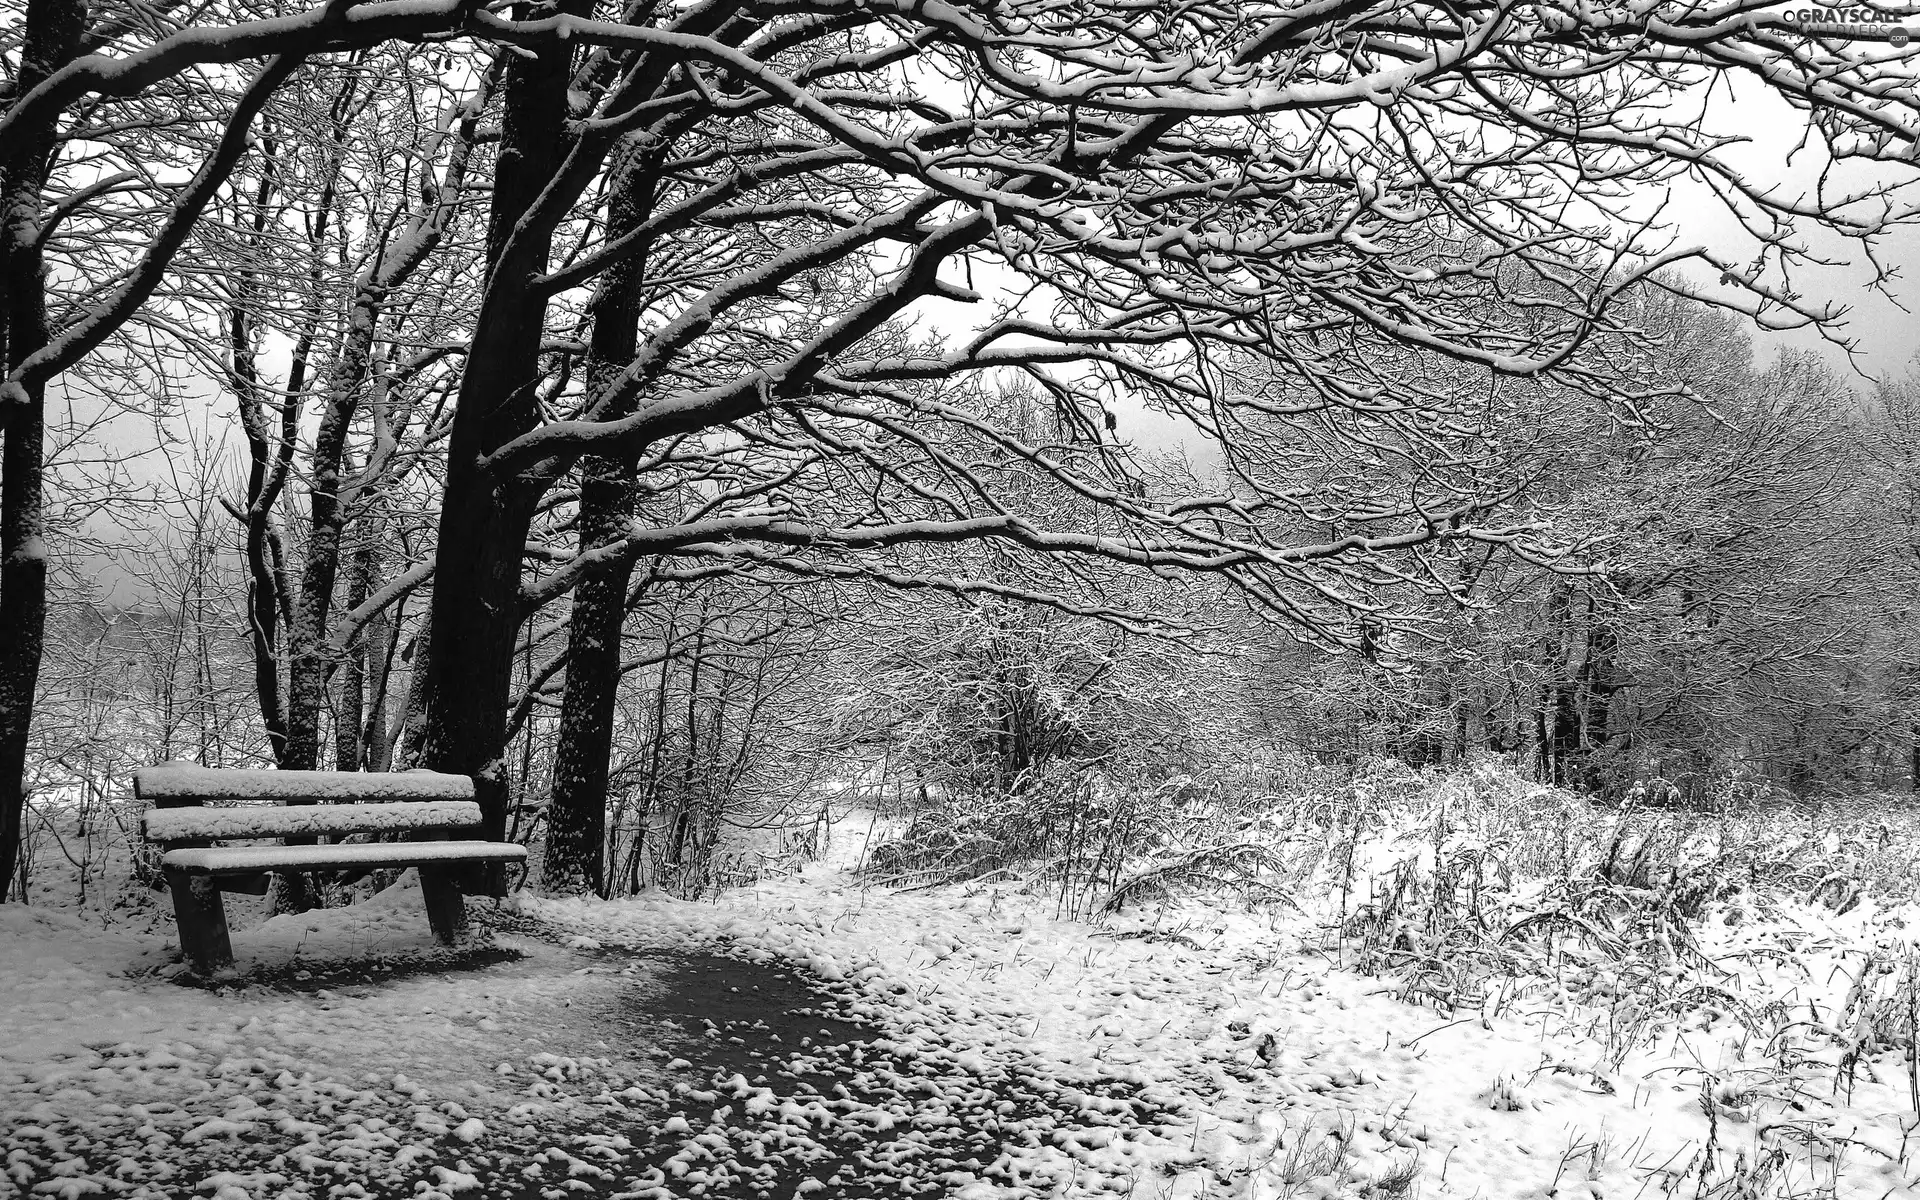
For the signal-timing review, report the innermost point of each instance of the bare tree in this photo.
(1894, 450)
(1346, 194)
(1734, 610)
(49, 39)
(576, 822)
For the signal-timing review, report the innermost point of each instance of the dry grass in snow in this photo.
(1462, 987)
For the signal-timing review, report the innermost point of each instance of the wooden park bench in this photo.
(196, 809)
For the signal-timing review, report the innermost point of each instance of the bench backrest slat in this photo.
(189, 807)
(174, 785)
(307, 820)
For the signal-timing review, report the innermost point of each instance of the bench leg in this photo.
(446, 909)
(202, 919)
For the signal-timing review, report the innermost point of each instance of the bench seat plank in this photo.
(194, 807)
(308, 820)
(173, 783)
(241, 860)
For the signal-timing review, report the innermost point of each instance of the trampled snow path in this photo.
(1273, 1073)
(976, 1048)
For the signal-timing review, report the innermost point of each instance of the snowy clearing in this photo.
(964, 1043)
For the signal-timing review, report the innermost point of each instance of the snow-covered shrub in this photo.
(1485, 890)
(1071, 828)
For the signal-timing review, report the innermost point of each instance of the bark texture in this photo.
(485, 514)
(51, 36)
(575, 858)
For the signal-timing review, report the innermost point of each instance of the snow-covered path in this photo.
(968, 1044)
(559, 1072)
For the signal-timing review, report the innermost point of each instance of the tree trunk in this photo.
(349, 687)
(484, 518)
(410, 732)
(1559, 716)
(383, 643)
(23, 608)
(1599, 770)
(575, 858)
(310, 650)
(268, 462)
(310, 655)
(50, 37)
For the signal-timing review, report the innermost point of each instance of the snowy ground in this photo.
(962, 1042)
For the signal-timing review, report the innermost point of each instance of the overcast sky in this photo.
(1882, 323)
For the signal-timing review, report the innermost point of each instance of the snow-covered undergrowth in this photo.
(1471, 990)
(1277, 1073)
(1759, 960)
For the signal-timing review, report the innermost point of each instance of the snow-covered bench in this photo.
(195, 808)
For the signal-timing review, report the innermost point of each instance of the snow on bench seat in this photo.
(247, 860)
(173, 783)
(308, 820)
(196, 805)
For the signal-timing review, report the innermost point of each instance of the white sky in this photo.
(1883, 323)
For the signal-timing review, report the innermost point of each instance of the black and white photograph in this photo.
(959, 599)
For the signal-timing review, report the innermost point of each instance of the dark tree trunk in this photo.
(304, 609)
(51, 35)
(575, 858)
(381, 638)
(267, 466)
(1603, 680)
(410, 737)
(484, 518)
(23, 600)
(1559, 713)
(310, 653)
(310, 657)
(349, 688)
(381, 641)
